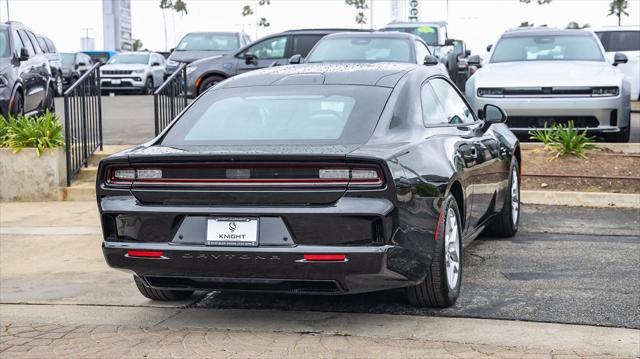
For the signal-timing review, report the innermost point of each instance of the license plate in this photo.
(232, 231)
(115, 82)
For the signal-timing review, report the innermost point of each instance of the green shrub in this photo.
(39, 132)
(564, 140)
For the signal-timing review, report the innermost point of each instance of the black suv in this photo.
(26, 84)
(51, 53)
(74, 65)
(271, 50)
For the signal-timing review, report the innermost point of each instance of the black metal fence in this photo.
(170, 99)
(82, 120)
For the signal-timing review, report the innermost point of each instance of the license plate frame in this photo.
(116, 81)
(233, 231)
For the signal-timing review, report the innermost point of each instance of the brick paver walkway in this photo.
(50, 340)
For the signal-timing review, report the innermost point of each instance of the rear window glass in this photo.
(328, 114)
(613, 41)
(361, 49)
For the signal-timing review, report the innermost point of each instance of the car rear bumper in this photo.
(364, 230)
(280, 269)
(597, 115)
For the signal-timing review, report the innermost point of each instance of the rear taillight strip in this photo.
(145, 176)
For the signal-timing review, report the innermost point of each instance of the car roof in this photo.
(323, 31)
(549, 31)
(379, 34)
(214, 32)
(416, 24)
(383, 74)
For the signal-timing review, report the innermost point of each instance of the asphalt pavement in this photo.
(567, 265)
(128, 119)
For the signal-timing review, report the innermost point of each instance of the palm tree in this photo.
(618, 8)
(137, 44)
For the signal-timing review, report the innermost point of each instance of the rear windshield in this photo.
(547, 48)
(361, 49)
(613, 41)
(208, 42)
(301, 114)
(427, 33)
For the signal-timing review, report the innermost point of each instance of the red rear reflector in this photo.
(145, 254)
(325, 257)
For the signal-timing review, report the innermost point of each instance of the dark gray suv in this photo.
(198, 45)
(26, 84)
(270, 50)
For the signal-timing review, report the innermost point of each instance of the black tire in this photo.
(622, 136)
(435, 291)
(17, 107)
(148, 87)
(209, 82)
(160, 294)
(503, 224)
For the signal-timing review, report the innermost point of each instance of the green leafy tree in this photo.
(137, 44)
(179, 6)
(577, 26)
(540, 2)
(618, 8)
(263, 22)
(361, 6)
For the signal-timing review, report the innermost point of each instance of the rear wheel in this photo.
(161, 294)
(441, 286)
(506, 222)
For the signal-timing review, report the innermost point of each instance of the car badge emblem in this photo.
(232, 226)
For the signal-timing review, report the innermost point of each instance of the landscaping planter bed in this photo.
(602, 171)
(25, 176)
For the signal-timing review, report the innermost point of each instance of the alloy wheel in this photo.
(452, 249)
(59, 85)
(515, 197)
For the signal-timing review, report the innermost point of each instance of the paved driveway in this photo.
(567, 265)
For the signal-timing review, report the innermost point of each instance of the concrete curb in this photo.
(581, 199)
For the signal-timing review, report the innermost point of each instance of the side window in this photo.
(26, 42)
(456, 109)
(302, 44)
(273, 48)
(36, 46)
(421, 52)
(43, 44)
(432, 110)
(17, 42)
(51, 46)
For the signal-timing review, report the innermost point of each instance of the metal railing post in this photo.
(67, 139)
(99, 87)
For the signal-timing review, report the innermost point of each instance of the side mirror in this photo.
(155, 64)
(619, 58)
(24, 54)
(467, 53)
(250, 59)
(474, 60)
(449, 42)
(493, 114)
(295, 59)
(489, 47)
(430, 60)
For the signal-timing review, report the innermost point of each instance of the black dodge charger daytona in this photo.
(317, 179)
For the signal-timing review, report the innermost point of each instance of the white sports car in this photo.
(544, 76)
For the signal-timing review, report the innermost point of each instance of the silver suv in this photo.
(133, 72)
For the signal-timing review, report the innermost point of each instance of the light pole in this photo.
(8, 15)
